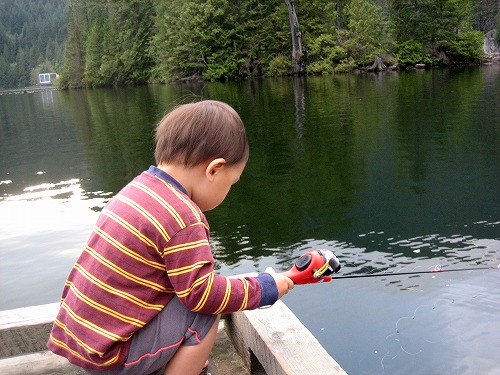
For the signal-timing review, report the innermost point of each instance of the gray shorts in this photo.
(156, 343)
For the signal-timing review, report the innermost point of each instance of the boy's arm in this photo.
(190, 268)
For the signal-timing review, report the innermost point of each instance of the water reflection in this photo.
(42, 232)
(117, 139)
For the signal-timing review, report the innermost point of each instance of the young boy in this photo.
(143, 296)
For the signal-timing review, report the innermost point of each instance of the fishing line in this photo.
(436, 269)
(430, 327)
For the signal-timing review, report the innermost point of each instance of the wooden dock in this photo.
(27, 90)
(268, 341)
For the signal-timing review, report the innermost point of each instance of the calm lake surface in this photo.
(392, 172)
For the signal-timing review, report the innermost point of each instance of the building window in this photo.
(44, 78)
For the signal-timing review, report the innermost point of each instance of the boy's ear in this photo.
(214, 167)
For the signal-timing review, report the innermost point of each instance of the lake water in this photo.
(393, 172)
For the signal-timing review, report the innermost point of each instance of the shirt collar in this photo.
(166, 177)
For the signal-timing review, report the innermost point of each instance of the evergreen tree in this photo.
(197, 38)
(74, 51)
(108, 43)
(486, 15)
(368, 33)
(93, 54)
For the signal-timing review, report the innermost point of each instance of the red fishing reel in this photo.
(313, 266)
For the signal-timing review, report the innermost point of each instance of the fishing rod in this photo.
(316, 266)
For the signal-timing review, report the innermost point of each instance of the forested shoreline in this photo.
(32, 36)
(116, 42)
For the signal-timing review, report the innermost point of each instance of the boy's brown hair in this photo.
(194, 133)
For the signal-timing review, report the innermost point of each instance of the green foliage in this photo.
(187, 32)
(223, 66)
(324, 54)
(486, 15)
(440, 26)
(279, 66)
(345, 66)
(217, 39)
(108, 43)
(411, 52)
(93, 52)
(74, 64)
(467, 47)
(367, 31)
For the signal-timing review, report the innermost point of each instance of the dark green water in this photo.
(392, 172)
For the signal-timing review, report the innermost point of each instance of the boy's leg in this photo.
(156, 344)
(190, 359)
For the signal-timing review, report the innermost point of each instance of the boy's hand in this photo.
(283, 283)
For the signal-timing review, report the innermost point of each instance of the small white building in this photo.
(47, 78)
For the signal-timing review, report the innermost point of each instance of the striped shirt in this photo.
(150, 243)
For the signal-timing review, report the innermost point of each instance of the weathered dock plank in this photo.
(27, 90)
(41, 363)
(28, 316)
(280, 342)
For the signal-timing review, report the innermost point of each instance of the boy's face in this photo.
(219, 182)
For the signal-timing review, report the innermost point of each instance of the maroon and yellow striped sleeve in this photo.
(190, 267)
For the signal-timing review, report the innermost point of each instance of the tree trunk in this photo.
(377, 65)
(297, 55)
(339, 8)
